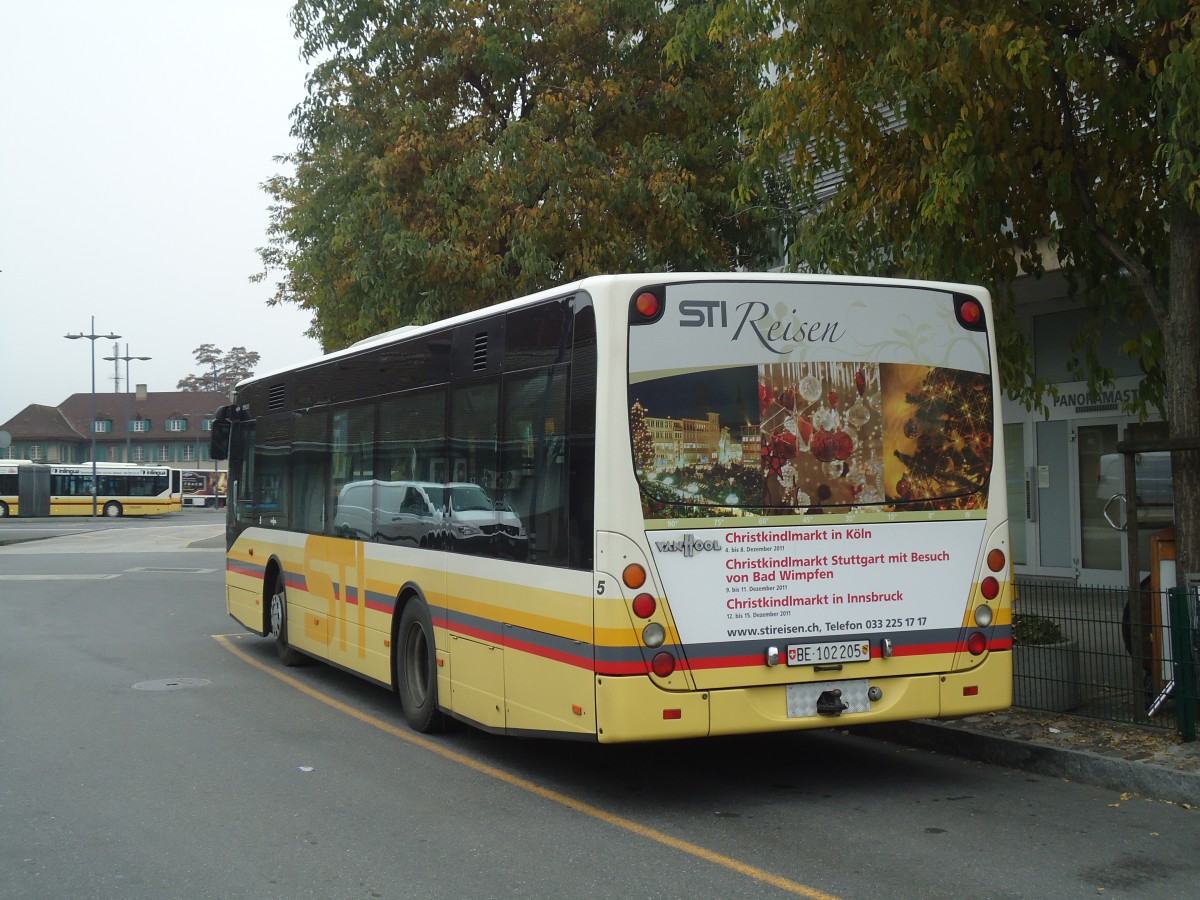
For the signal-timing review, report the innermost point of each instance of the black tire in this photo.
(3, 510)
(112, 510)
(416, 669)
(277, 620)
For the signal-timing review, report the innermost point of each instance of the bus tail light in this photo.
(996, 560)
(989, 587)
(663, 664)
(653, 635)
(644, 605)
(634, 576)
(976, 643)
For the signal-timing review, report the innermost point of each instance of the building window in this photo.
(138, 454)
(176, 424)
(206, 425)
(140, 425)
(189, 453)
(102, 426)
(36, 451)
(114, 455)
(164, 452)
(54, 453)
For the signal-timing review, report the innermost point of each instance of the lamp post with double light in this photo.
(128, 392)
(93, 337)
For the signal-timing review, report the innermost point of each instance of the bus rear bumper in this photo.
(635, 709)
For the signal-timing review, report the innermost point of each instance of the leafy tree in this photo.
(453, 153)
(222, 370)
(981, 141)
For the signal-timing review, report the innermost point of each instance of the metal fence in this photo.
(1076, 649)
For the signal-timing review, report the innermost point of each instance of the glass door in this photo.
(1103, 557)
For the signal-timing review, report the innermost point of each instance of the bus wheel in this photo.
(287, 654)
(3, 510)
(416, 678)
(112, 509)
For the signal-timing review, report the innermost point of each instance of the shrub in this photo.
(1028, 629)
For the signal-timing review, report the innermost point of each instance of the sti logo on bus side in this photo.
(755, 318)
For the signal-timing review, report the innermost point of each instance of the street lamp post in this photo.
(93, 337)
(128, 393)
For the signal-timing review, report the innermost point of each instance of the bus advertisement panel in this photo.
(202, 488)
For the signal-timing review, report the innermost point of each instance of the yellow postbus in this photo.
(641, 507)
(122, 489)
(9, 487)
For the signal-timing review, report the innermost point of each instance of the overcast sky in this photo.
(134, 137)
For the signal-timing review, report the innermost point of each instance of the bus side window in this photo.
(582, 455)
(272, 471)
(533, 506)
(473, 468)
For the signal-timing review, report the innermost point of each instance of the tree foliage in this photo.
(987, 140)
(453, 153)
(221, 371)
(982, 141)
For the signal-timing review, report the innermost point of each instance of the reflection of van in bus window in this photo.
(1152, 476)
(475, 518)
(406, 512)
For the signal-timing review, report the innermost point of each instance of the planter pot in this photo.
(1046, 676)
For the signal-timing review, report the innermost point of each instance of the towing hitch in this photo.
(830, 703)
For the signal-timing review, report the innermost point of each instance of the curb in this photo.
(1138, 776)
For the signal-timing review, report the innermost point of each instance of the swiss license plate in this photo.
(827, 653)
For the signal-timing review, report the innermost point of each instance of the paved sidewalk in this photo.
(1128, 759)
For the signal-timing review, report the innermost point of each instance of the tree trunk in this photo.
(1182, 364)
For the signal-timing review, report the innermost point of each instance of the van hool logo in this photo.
(687, 545)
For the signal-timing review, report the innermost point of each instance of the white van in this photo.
(424, 514)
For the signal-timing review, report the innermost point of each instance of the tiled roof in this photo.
(69, 421)
(40, 423)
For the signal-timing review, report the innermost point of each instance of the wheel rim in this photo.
(111, 510)
(277, 613)
(416, 663)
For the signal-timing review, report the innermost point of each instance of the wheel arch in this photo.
(273, 569)
(409, 592)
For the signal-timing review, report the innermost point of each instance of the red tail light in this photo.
(989, 587)
(976, 643)
(663, 664)
(644, 606)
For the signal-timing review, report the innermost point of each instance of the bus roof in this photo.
(632, 278)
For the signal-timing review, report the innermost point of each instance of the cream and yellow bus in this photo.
(641, 507)
(122, 489)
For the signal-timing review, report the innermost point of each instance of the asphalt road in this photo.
(149, 748)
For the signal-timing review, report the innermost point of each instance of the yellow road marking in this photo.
(587, 809)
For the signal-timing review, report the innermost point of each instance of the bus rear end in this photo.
(813, 536)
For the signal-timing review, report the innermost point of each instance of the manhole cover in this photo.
(171, 684)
